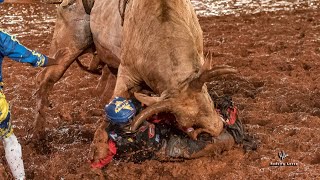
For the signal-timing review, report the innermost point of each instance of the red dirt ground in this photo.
(277, 92)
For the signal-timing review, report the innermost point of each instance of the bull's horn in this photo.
(162, 106)
(207, 75)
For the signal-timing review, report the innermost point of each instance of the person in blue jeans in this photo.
(11, 48)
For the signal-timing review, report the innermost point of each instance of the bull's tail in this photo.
(87, 69)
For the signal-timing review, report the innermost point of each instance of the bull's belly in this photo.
(105, 24)
(108, 56)
(107, 42)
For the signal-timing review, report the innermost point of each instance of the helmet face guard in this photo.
(120, 110)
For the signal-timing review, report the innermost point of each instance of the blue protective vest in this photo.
(10, 47)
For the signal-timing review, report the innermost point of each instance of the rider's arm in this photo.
(10, 47)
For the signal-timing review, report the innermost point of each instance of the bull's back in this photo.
(162, 40)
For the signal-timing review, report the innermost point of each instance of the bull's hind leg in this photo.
(107, 80)
(72, 32)
(95, 62)
(103, 80)
(46, 80)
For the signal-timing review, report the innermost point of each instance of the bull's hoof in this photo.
(42, 143)
(37, 130)
(34, 135)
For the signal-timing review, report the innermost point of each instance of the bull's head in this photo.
(191, 104)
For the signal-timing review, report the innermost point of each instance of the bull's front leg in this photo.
(125, 83)
(99, 149)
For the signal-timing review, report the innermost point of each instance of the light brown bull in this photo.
(78, 33)
(162, 47)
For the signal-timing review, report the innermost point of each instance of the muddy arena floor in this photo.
(277, 92)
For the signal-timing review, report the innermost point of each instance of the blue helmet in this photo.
(1, 1)
(120, 110)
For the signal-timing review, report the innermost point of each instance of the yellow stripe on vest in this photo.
(4, 111)
(4, 107)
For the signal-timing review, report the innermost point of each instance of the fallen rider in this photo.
(158, 138)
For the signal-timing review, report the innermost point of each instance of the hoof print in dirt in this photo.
(43, 145)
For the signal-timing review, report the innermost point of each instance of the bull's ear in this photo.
(208, 75)
(147, 100)
(66, 3)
